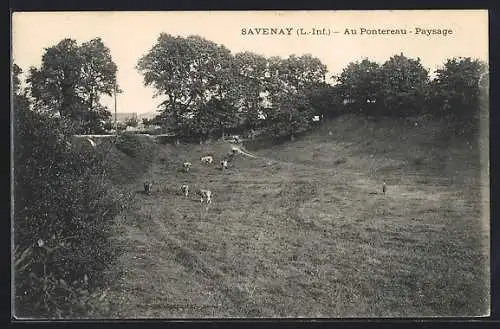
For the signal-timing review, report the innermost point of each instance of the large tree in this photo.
(187, 73)
(300, 72)
(457, 88)
(403, 85)
(249, 86)
(293, 74)
(71, 81)
(288, 85)
(359, 86)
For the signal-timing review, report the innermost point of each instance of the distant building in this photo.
(123, 117)
(147, 115)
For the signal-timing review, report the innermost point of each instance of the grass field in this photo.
(303, 230)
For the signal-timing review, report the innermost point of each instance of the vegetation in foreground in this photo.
(66, 200)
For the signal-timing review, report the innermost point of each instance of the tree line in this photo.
(204, 90)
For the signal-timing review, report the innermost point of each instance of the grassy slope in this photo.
(311, 235)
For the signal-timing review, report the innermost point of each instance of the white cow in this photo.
(185, 189)
(223, 164)
(207, 159)
(91, 142)
(186, 166)
(206, 195)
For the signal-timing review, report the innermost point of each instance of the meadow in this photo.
(304, 230)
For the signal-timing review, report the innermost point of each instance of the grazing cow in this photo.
(207, 159)
(185, 189)
(91, 142)
(148, 186)
(223, 164)
(206, 195)
(186, 166)
(384, 188)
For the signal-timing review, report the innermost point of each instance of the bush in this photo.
(136, 146)
(63, 213)
(48, 296)
(129, 158)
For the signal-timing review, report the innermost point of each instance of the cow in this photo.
(207, 159)
(186, 166)
(185, 190)
(206, 195)
(148, 186)
(223, 164)
(384, 188)
(91, 142)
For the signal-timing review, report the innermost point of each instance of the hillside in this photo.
(303, 229)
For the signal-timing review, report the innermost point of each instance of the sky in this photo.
(130, 35)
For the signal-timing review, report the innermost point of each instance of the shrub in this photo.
(47, 295)
(136, 146)
(63, 203)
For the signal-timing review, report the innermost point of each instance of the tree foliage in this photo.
(289, 83)
(403, 83)
(290, 116)
(16, 81)
(186, 72)
(359, 86)
(63, 212)
(247, 94)
(293, 74)
(326, 100)
(457, 88)
(207, 90)
(71, 81)
(298, 72)
(396, 88)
